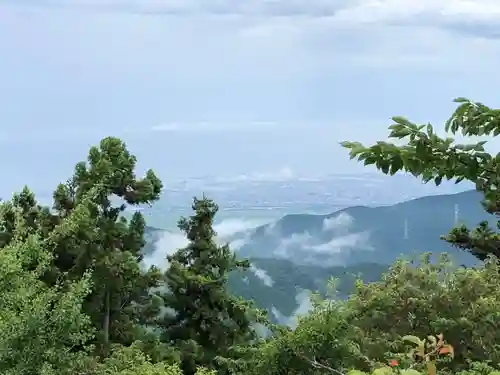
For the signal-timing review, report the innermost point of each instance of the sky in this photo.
(231, 87)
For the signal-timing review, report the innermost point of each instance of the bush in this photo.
(418, 297)
(132, 360)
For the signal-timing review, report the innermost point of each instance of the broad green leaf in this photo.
(384, 166)
(370, 160)
(403, 121)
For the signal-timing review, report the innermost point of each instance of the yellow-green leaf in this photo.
(383, 371)
(413, 339)
(410, 372)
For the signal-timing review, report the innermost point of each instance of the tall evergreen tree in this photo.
(113, 248)
(110, 244)
(432, 158)
(202, 318)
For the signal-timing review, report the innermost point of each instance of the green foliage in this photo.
(427, 351)
(366, 330)
(112, 247)
(102, 240)
(432, 158)
(71, 279)
(132, 361)
(39, 324)
(202, 318)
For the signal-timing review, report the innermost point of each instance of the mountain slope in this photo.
(368, 234)
(299, 253)
(280, 286)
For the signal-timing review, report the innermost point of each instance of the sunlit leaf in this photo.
(413, 339)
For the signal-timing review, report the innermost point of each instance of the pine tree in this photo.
(202, 318)
(432, 158)
(109, 244)
(113, 248)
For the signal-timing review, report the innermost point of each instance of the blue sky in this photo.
(227, 87)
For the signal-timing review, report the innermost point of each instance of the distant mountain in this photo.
(260, 197)
(299, 253)
(367, 234)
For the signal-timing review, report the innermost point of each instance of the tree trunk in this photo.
(106, 322)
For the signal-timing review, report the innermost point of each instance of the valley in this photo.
(299, 253)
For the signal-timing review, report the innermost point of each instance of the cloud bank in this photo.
(169, 242)
(203, 75)
(262, 275)
(476, 17)
(343, 239)
(304, 306)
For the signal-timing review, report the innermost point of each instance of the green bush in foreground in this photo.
(423, 357)
(39, 324)
(132, 361)
(365, 330)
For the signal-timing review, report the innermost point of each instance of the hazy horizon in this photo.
(228, 88)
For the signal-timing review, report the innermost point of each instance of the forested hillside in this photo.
(75, 298)
(368, 234)
(287, 283)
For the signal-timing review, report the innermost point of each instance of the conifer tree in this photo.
(110, 245)
(113, 248)
(202, 318)
(432, 158)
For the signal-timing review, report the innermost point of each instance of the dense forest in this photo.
(76, 299)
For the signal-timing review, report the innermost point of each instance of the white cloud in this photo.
(339, 244)
(170, 242)
(344, 244)
(295, 240)
(304, 306)
(369, 9)
(228, 228)
(283, 174)
(154, 71)
(445, 13)
(344, 238)
(238, 243)
(340, 221)
(262, 275)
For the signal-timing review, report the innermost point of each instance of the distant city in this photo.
(273, 198)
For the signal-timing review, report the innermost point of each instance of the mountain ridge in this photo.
(355, 240)
(382, 233)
